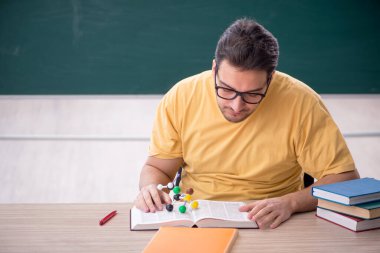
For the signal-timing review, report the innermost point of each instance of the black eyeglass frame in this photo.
(241, 94)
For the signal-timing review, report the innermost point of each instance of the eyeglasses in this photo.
(247, 97)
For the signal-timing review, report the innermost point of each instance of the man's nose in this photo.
(237, 104)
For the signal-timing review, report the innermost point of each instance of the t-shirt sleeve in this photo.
(321, 148)
(165, 140)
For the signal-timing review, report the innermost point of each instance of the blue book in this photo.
(350, 192)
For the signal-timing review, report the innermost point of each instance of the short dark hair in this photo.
(248, 45)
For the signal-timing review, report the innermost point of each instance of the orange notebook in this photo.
(191, 240)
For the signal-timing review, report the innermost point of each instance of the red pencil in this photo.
(107, 218)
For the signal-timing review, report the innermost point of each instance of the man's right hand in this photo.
(150, 199)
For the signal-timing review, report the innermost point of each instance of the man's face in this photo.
(228, 76)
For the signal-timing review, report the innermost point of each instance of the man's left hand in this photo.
(269, 213)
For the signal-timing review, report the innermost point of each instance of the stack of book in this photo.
(353, 204)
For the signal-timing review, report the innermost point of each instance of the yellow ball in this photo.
(194, 204)
(187, 198)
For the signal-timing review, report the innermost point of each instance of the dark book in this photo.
(347, 221)
(369, 210)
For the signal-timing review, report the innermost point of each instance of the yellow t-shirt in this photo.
(291, 132)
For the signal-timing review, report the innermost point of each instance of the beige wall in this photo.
(91, 148)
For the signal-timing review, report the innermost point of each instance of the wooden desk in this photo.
(74, 228)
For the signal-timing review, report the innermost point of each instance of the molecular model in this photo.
(178, 196)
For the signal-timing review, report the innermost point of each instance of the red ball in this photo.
(190, 191)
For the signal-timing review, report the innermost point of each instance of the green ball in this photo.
(182, 209)
(176, 190)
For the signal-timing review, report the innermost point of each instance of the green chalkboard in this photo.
(144, 47)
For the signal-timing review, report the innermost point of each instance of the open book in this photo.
(209, 214)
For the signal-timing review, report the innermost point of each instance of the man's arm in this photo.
(155, 171)
(273, 211)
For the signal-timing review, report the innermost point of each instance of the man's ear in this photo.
(213, 67)
(270, 76)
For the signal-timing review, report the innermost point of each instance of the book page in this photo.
(219, 210)
(141, 217)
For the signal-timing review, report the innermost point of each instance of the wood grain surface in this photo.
(75, 228)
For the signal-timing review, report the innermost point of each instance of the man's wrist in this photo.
(291, 202)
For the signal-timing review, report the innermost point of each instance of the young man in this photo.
(244, 131)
